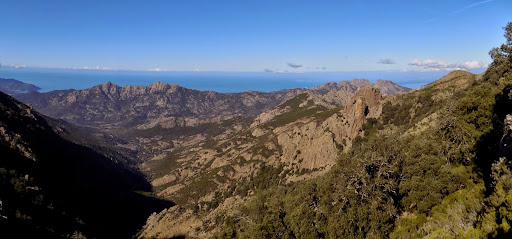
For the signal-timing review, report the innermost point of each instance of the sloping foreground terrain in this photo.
(434, 163)
(52, 188)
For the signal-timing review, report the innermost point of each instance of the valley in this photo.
(348, 159)
(199, 149)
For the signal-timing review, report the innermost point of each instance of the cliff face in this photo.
(366, 103)
(317, 145)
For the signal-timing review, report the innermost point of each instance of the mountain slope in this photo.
(424, 183)
(203, 176)
(299, 140)
(433, 163)
(387, 87)
(12, 86)
(437, 165)
(54, 188)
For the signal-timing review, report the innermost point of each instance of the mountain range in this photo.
(148, 129)
(126, 112)
(342, 160)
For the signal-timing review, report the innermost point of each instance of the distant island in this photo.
(13, 87)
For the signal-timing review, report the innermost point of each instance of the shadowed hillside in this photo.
(51, 187)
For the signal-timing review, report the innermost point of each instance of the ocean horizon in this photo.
(225, 82)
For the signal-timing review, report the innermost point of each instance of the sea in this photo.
(226, 82)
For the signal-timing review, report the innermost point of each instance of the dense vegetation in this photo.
(435, 167)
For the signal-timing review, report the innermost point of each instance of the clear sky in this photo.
(240, 35)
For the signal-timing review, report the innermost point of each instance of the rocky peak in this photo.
(349, 86)
(360, 82)
(107, 84)
(107, 88)
(320, 144)
(388, 87)
(365, 103)
(159, 86)
(347, 125)
(339, 93)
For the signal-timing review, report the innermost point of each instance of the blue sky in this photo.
(239, 35)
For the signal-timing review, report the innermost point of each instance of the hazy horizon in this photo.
(263, 36)
(49, 79)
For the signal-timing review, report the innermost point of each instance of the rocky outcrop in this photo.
(309, 146)
(387, 87)
(176, 222)
(340, 93)
(348, 123)
(313, 146)
(365, 104)
(352, 86)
